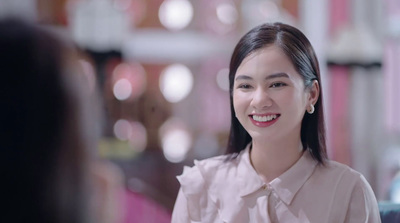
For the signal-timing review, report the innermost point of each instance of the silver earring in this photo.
(312, 109)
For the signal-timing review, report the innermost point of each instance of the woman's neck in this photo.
(270, 160)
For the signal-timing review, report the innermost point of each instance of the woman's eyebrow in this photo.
(271, 76)
(277, 75)
(243, 77)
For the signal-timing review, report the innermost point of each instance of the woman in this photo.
(276, 169)
(50, 171)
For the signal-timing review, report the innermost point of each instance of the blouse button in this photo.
(265, 187)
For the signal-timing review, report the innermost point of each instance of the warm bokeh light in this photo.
(129, 81)
(223, 17)
(227, 13)
(122, 129)
(222, 79)
(176, 82)
(176, 144)
(134, 132)
(175, 14)
(176, 140)
(122, 89)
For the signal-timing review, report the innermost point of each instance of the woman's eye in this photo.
(245, 86)
(279, 84)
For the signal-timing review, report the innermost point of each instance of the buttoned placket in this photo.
(271, 202)
(267, 187)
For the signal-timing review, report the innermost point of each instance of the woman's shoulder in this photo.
(334, 166)
(201, 183)
(206, 170)
(341, 172)
(351, 191)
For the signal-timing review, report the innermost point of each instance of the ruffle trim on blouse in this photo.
(195, 189)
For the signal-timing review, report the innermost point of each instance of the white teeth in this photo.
(264, 118)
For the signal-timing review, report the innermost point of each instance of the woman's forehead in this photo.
(268, 58)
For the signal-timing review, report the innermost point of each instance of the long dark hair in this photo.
(45, 152)
(299, 50)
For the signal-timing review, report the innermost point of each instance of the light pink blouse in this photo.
(215, 190)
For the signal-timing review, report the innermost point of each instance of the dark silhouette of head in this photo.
(46, 135)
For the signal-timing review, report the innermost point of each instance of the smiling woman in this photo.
(267, 88)
(276, 168)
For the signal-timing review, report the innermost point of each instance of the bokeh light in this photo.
(222, 79)
(227, 13)
(176, 144)
(129, 81)
(176, 140)
(122, 89)
(223, 17)
(134, 132)
(176, 82)
(175, 14)
(122, 129)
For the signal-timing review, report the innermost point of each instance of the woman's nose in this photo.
(261, 99)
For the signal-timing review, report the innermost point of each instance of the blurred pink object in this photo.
(140, 208)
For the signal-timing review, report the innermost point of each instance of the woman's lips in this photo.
(264, 120)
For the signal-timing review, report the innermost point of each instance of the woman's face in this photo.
(269, 96)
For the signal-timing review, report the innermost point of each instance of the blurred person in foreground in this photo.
(276, 168)
(49, 127)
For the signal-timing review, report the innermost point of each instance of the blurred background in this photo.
(162, 70)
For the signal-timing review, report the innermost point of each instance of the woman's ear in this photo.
(314, 92)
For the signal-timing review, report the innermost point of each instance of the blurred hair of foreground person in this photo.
(276, 168)
(49, 122)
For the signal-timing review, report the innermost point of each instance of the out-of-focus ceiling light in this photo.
(176, 82)
(175, 14)
(227, 13)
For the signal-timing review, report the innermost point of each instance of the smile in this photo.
(264, 118)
